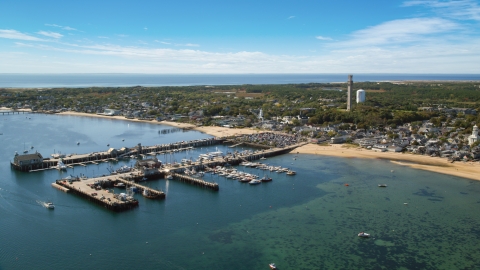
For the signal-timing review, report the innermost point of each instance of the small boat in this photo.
(363, 235)
(263, 158)
(119, 185)
(61, 166)
(147, 194)
(272, 266)
(266, 179)
(255, 182)
(169, 177)
(48, 205)
(382, 185)
(290, 172)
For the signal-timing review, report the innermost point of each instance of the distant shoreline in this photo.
(86, 80)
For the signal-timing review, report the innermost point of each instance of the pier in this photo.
(196, 182)
(100, 190)
(38, 163)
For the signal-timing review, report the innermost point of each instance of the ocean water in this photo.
(118, 80)
(422, 220)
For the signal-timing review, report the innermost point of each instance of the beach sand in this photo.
(210, 130)
(470, 170)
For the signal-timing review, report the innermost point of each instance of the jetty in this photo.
(196, 182)
(36, 162)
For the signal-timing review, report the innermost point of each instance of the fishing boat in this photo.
(363, 235)
(272, 266)
(123, 169)
(148, 194)
(266, 179)
(382, 185)
(48, 205)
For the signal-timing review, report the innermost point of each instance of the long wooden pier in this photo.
(196, 182)
(111, 155)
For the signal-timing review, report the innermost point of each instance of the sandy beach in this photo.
(210, 130)
(470, 170)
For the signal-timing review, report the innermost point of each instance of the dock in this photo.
(196, 182)
(100, 190)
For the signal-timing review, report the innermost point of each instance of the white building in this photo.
(474, 137)
(360, 96)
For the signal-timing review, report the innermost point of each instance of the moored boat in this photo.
(119, 184)
(290, 172)
(266, 179)
(272, 266)
(61, 166)
(363, 235)
(255, 182)
(147, 194)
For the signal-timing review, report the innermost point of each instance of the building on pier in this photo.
(148, 166)
(27, 162)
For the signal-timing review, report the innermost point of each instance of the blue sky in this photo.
(281, 36)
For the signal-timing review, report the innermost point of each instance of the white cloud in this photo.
(68, 28)
(163, 42)
(323, 38)
(457, 9)
(145, 28)
(400, 31)
(50, 34)
(103, 37)
(291, 17)
(14, 34)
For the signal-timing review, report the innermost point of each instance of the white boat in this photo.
(266, 179)
(48, 205)
(290, 172)
(255, 182)
(363, 235)
(61, 166)
(119, 185)
(272, 266)
(169, 177)
(123, 169)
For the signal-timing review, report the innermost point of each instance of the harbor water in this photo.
(421, 220)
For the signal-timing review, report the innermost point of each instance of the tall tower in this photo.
(349, 94)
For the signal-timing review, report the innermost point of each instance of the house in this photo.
(148, 166)
(27, 162)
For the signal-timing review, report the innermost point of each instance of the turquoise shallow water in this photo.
(308, 221)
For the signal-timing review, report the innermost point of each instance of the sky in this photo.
(230, 36)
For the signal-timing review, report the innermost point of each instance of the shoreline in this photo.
(210, 130)
(468, 170)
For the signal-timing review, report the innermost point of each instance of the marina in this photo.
(307, 221)
(148, 167)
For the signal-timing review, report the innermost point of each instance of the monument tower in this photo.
(349, 94)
